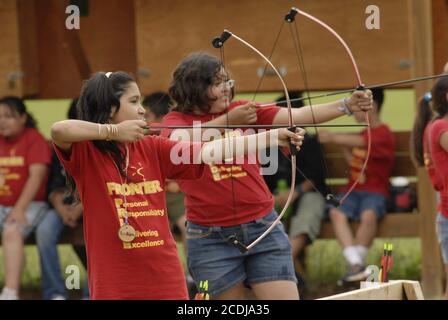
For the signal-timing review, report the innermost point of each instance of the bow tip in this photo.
(217, 43)
(233, 240)
(291, 15)
(332, 200)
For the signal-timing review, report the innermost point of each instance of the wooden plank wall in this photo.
(10, 48)
(440, 34)
(167, 31)
(154, 36)
(107, 38)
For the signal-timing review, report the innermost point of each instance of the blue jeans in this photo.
(442, 235)
(47, 235)
(212, 258)
(359, 201)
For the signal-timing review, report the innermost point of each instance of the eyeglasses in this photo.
(227, 84)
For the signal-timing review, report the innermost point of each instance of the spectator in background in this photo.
(367, 202)
(62, 216)
(308, 208)
(24, 159)
(431, 152)
(438, 151)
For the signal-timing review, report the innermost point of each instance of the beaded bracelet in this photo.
(344, 108)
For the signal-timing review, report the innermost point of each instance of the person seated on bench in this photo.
(367, 202)
(308, 208)
(62, 216)
(24, 159)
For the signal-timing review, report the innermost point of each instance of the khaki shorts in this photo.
(34, 213)
(308, 216)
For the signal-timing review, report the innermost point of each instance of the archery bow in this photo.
(290, 17)
(218, 43)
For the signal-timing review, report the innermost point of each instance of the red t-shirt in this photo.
(440, 159)
(15, 158)
(381, 162)
(218, 199)
(436, 180)
(149, 266)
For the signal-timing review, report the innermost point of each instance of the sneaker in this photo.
(354, 273)
(9, 294)
(58, 297)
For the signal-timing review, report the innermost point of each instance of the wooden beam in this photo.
(26, 10)
(74, 42)
(422, 53)
(392, 225)
(413, 290)
(440, 25)
(392, 290)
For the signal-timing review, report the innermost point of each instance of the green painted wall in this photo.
(398, 109)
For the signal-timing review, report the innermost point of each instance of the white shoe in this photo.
(58, 297)
(8, 294)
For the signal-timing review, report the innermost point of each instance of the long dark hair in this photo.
(439, 96)
(99, 95)
(191, 80)
(434, 105)
(423, 117)
(18, 105)
(159, 103)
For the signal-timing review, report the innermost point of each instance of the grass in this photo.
(324, 264)
(323, 253)
(31, 272)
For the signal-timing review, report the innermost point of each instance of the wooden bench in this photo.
(402, 224)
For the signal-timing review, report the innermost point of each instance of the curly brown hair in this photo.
(191, 80)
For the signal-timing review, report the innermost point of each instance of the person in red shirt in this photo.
(438, 152)
(24, 159)
(232, 201)
(367, 202)
(120, 177)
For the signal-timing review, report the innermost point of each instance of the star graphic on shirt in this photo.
(138, 170)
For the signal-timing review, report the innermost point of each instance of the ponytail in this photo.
(424, 116)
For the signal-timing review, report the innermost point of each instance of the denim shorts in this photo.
(211, 258)
(359, 201)
(442, 235)
(34, 213)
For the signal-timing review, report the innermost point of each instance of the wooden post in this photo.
(74, 42)
(422, 53)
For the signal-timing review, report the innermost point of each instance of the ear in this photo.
(112, 112)
(23, 119)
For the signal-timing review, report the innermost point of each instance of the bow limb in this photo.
(218, 42)
(290, 17)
